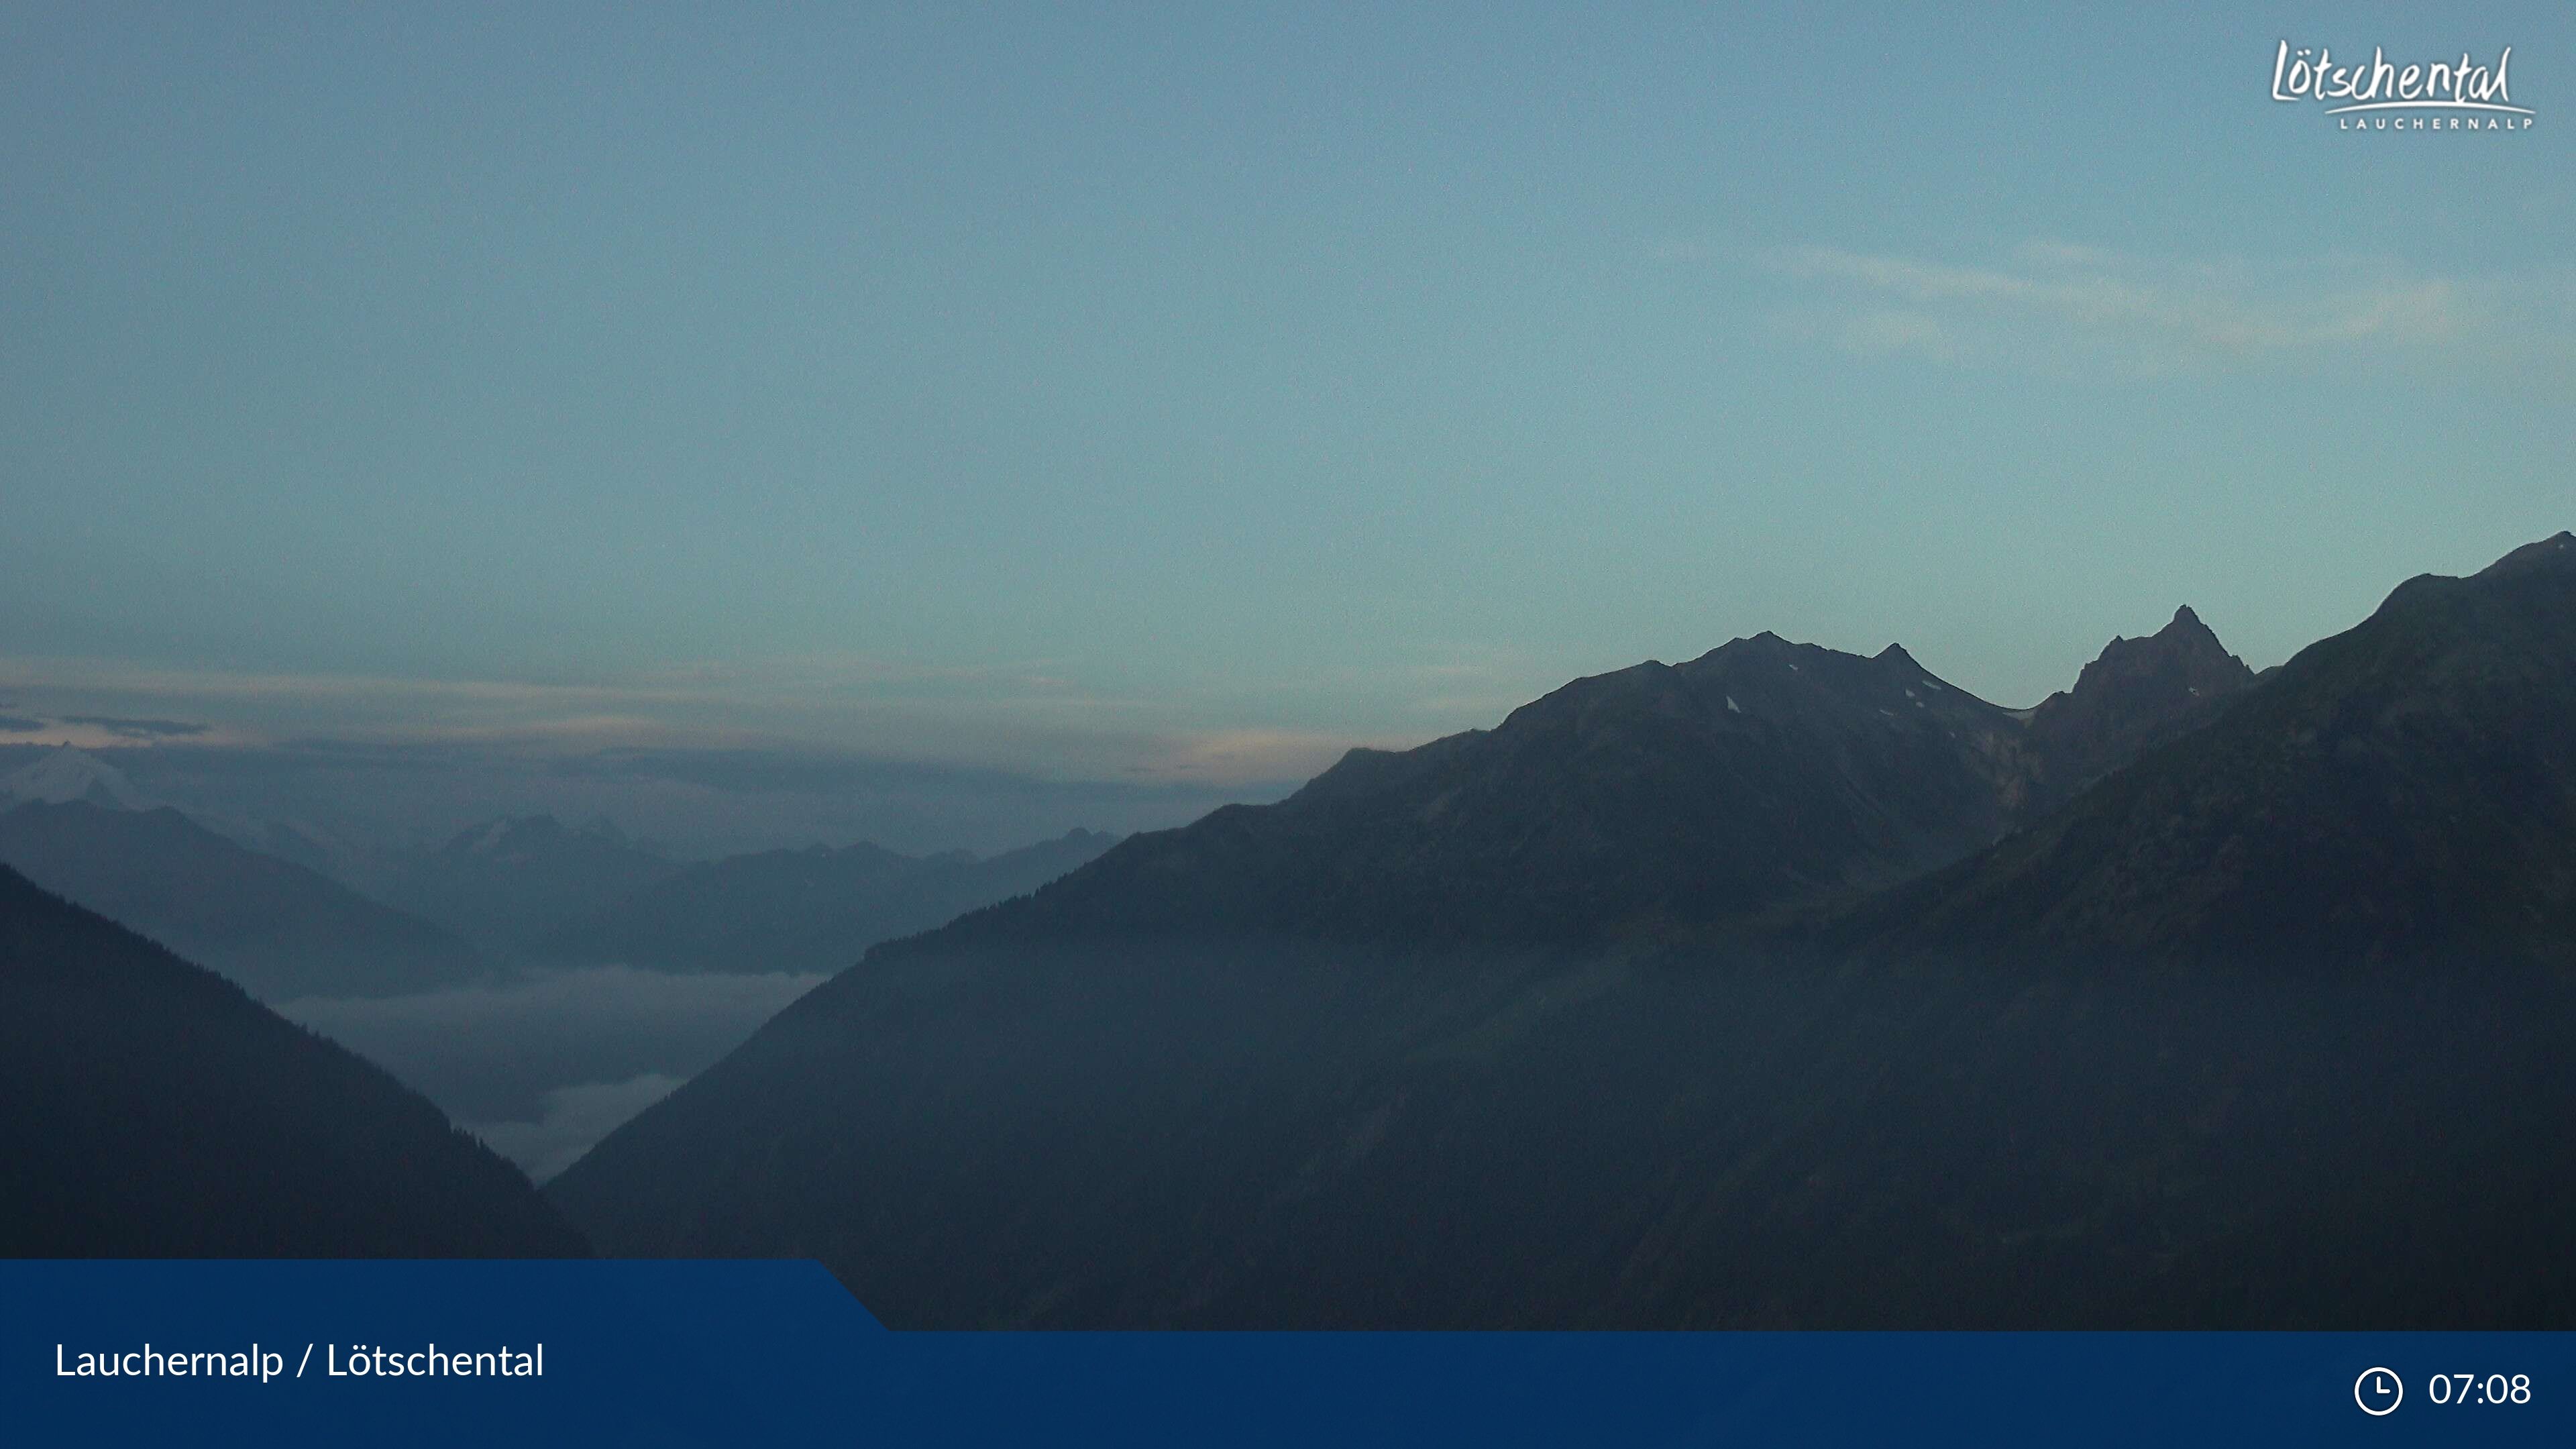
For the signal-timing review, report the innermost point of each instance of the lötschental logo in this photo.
(2450, 94)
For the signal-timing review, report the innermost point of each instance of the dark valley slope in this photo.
(1176, 1089)
(1228, 1135)
(808, 910)
(279, 929)
(149, 1108)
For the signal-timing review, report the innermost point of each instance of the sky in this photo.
(1185, 394)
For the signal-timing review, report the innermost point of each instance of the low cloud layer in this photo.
(498, 1054)
(571, 1122)
(138, 729)
(963, 718)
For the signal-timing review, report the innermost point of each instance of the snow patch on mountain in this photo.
(65, 775)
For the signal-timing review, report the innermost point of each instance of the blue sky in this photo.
(1187, 393)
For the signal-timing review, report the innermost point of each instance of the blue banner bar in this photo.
(776, 1352)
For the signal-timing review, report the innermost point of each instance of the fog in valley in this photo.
(545, 1066)
(539, 981)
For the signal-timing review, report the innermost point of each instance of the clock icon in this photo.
(2378, 1391)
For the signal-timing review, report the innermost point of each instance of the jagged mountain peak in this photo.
(2136, 693)
(2185, 637)
(2400, 791)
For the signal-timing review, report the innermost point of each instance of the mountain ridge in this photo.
(815, 909)
(508, 883)
(280, 929)
(1036, 1117)
(1875, 770)
(2403, 787)
(1722, 786)
(149, 1108)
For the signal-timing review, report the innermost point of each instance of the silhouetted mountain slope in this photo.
(277, 928)
(1759, 773)
(1210, 1135)
(2139, 693)
(511, 883)
(1162, 1092)
(150, 1109)
(805, 910)
(2402, 790)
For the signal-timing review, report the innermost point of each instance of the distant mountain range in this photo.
(266, 902)
(817, 909)
(278, 929)
(1780, 988)
(63, 775)
(539, 893)
(512, 883)
(150, 1109)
